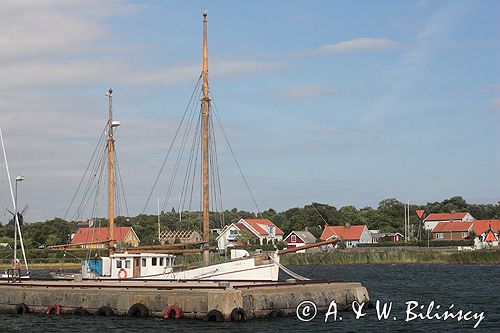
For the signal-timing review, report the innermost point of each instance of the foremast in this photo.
(205, 110)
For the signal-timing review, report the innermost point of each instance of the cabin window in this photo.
(294, 239)
(154, 261)
(161, 261)
(143, 262)
(118, 264)
(127, 263)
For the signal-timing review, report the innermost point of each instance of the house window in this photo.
(154, 261)
(439, 235)
(118, 264)
(294, 239)
(161, 261)
(233, 232)
(143, 262)
(127, 263)
(464, 234)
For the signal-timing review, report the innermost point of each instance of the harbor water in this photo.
(471, 288)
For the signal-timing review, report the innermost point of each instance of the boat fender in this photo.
(177, 313)
(104, 311)
(122, 273)
(214, 315)
(54, 309)
(138, 310)
(80, 312)
(238, 314)
(276, 313)
(22, 308)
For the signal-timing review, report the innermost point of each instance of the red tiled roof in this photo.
(452, 226)
(87, 235)
(255, 223)
(480, 226)
(352, 233)
(445, 216)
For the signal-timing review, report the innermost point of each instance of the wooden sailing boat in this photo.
(158, 263)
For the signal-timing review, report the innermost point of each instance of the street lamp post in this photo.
(16, 219)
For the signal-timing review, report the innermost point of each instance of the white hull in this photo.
(124, 267)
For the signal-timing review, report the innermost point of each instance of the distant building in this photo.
(180, 236)
(124, 236)
(263, 230)
(452, 231)
(433, 219)
(352, 235)
(487, 233)
(299, 238)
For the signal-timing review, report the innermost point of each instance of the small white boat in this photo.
(15, 272)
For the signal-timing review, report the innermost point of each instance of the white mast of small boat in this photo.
(17, 226)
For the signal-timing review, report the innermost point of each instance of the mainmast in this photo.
(111, 170)
(205, 110)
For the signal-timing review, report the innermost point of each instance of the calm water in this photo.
(467, 287)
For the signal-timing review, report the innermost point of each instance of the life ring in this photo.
(238, 314)
(138, 310)
(54, 309)
(214, 315)
(124, 271)
(177, 312)
(21, 308)
(16, 264)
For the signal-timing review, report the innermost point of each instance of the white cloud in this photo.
(358, 44)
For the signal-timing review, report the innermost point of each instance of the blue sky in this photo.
(341, 102)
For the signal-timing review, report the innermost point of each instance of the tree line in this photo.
(387, 217)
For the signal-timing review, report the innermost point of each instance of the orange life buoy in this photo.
(16, 264)
(54, 308)
(124, 271)
(175, 309)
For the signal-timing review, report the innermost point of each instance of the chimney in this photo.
(347, 225)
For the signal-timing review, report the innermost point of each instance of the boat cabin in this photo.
(128, 265)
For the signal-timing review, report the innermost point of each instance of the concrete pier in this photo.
(195, 299)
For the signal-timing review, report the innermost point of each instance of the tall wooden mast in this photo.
(111, 172)
(205, 109)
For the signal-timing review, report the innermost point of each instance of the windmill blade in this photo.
(25, 209)
(10, 211)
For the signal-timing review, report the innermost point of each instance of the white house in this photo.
(264, 231)
(432, 220)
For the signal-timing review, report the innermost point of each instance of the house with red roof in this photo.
(263, 230)
(433, 219)
(122, 235)
(487, 233)
(352, 235)
(452, 231)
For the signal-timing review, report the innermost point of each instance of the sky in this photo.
(339, 102)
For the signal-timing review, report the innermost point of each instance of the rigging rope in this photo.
(235, 159)
(85, 173)
(171, 145)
